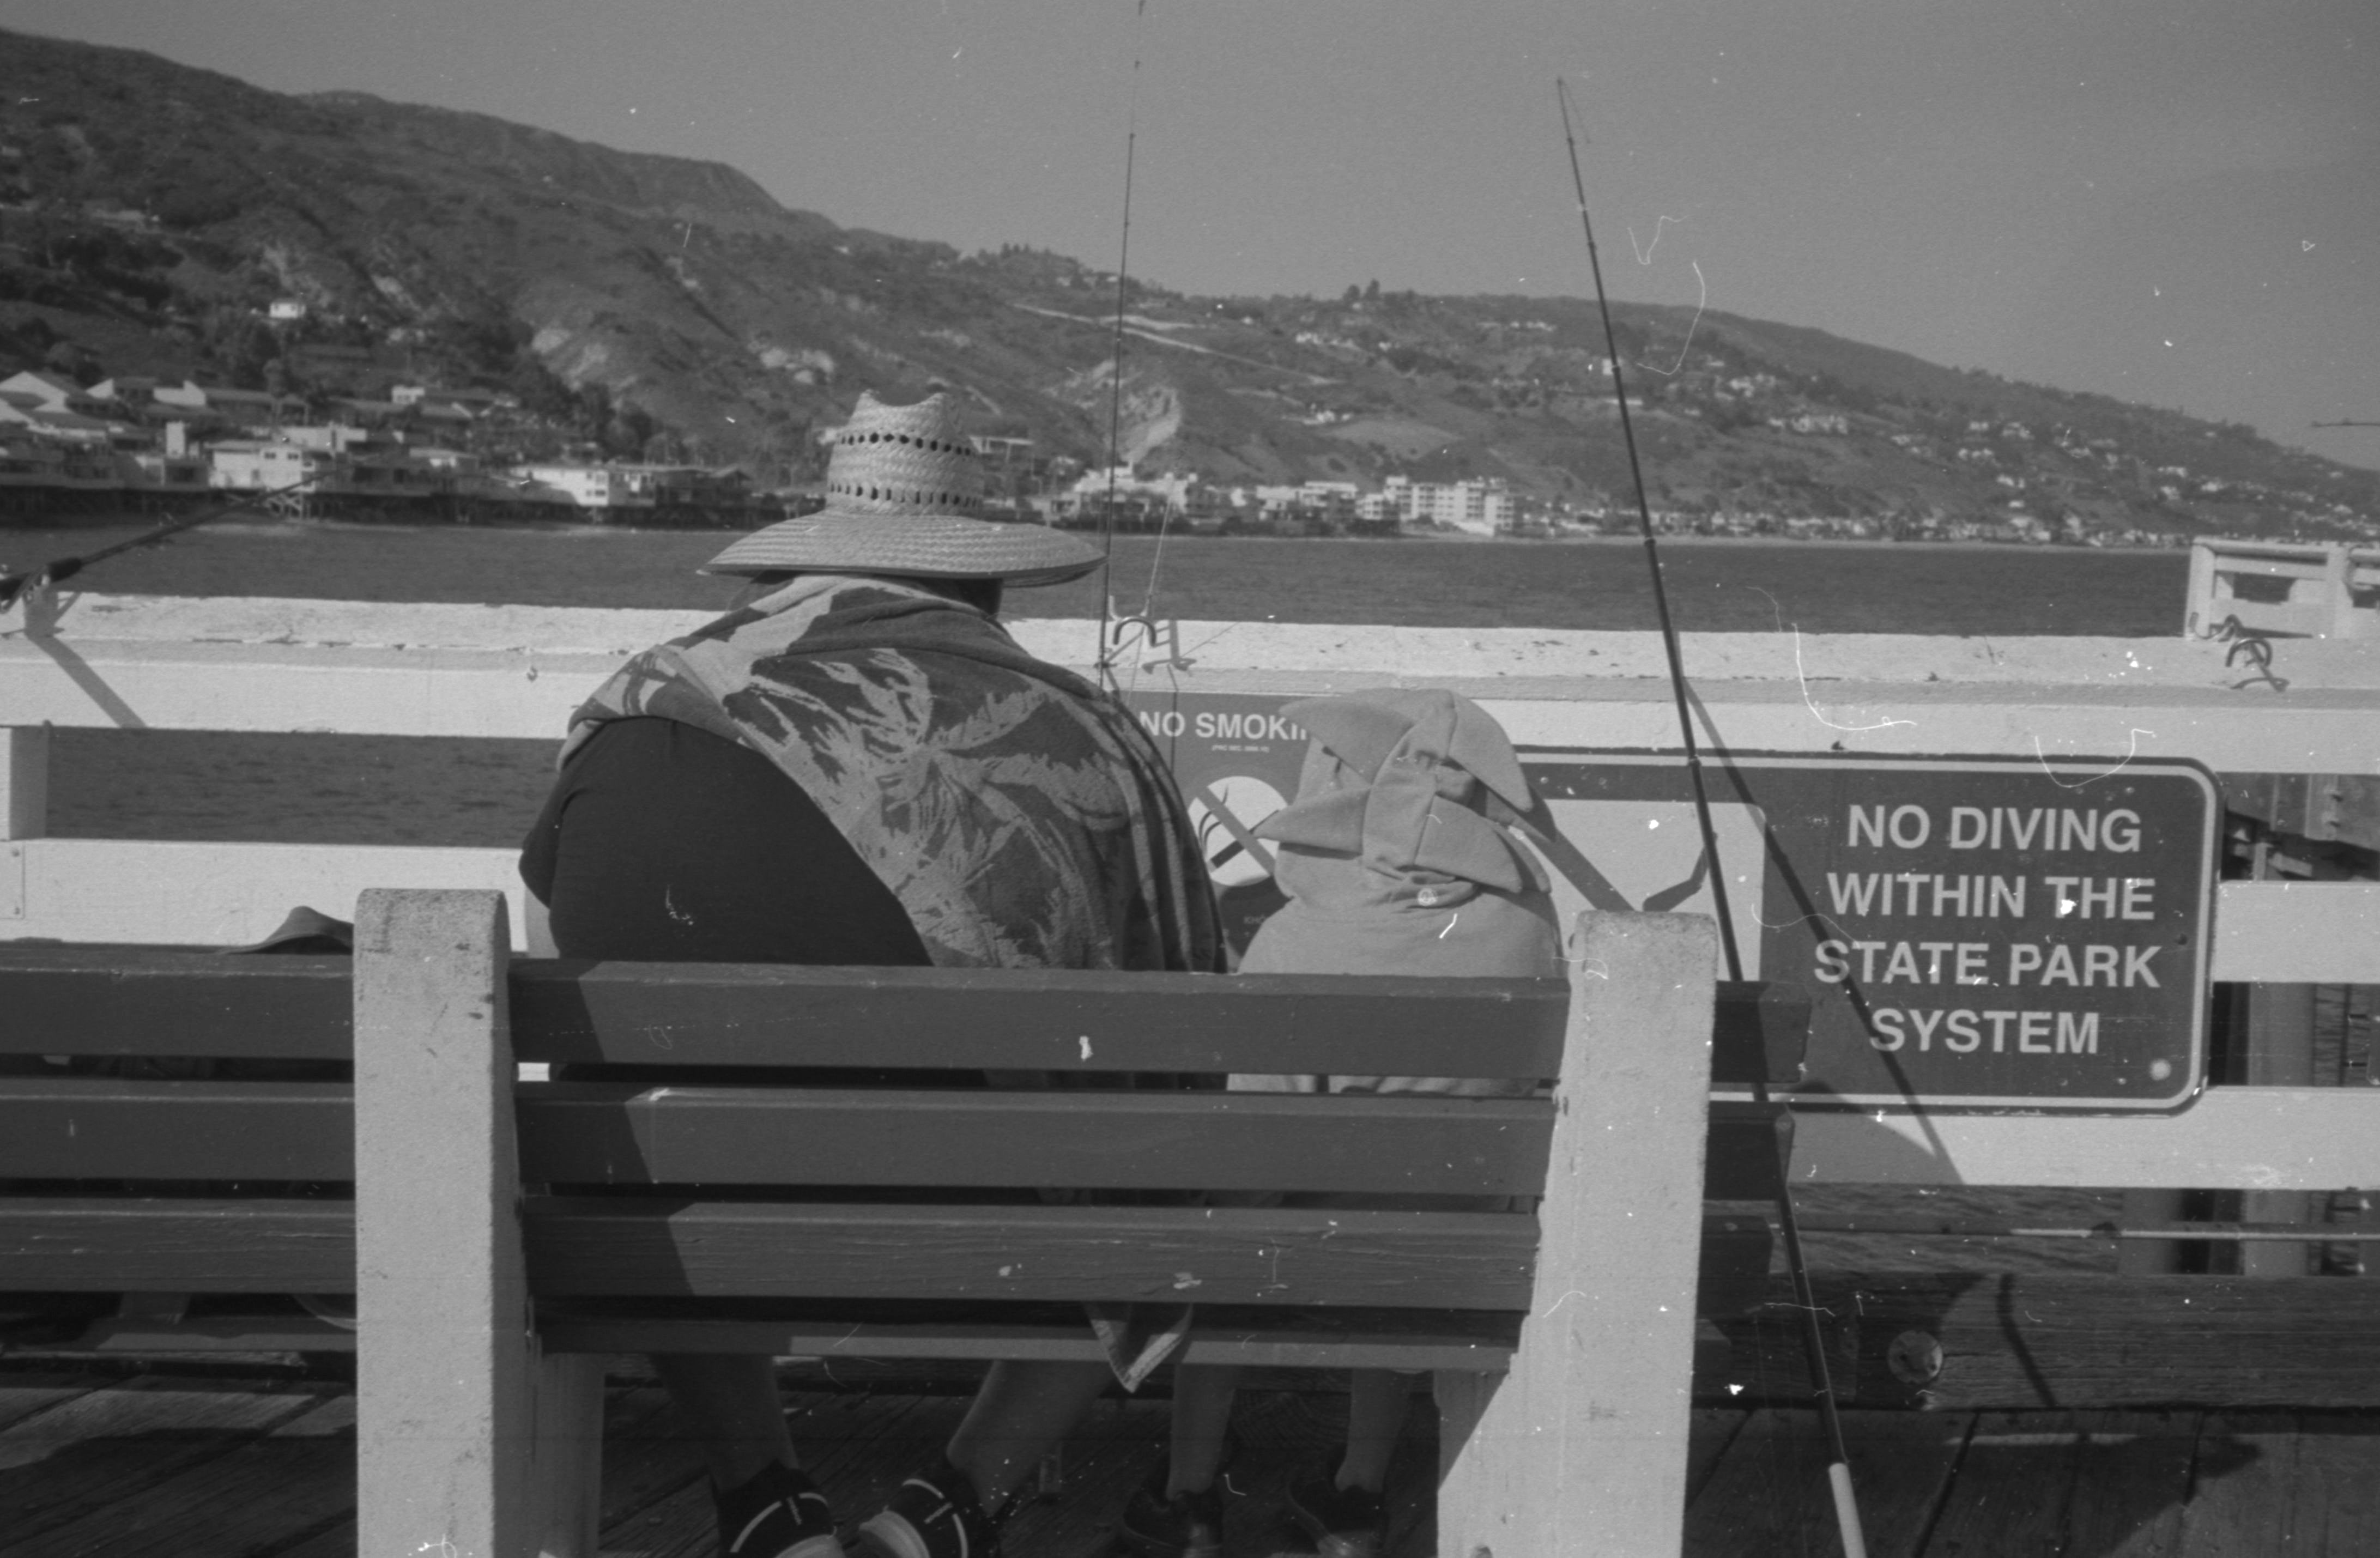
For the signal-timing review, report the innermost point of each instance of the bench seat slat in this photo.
(84, 1244)
(100, 1127)
(604, 1133)
(1474, 1342)
(592, 1246)
(149, 1001)
(216, 1334)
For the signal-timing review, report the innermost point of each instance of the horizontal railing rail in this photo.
(226, 894)
(362, 668)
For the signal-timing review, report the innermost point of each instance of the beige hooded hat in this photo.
(1389, 858)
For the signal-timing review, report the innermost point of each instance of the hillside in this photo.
(150, 215)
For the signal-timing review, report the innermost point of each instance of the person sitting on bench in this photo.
(857, 766)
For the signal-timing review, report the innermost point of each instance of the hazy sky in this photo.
(2173, 200)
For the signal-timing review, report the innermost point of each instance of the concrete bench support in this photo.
(458, 1413)
(1582, 1447)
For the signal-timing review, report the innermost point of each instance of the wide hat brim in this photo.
(911, 545)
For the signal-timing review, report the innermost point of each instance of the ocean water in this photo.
(169, 785)
(1715, 587)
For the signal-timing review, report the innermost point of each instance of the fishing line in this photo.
(1156, 565)
(13, 586)
(1106, 662)
(1813, 1341)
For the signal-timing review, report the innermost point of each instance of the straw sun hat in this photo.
(905, 495)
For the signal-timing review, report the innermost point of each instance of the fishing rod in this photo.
(12, 586)
(1106, 662)
(1813, 1342)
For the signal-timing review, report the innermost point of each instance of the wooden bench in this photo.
(1561, 1344)
(451, 1261)
(173, 1123)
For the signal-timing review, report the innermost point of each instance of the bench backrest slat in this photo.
(1081, 1020)
(1381, 1259)
(1068, 1021)
(609, 1134)
(98, 1127)
(148, 1001)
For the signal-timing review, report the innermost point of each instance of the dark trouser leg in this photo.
(730, 1400)
(1021, 1414)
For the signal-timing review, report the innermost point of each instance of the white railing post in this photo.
(24, 780)
(468, 1442)
(24, 814)
(2338, 590)
(2280, 1055)
(1582, 1448)
(2199, 616)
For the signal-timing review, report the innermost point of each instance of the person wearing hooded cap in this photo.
(1392, 864)
(856, 764)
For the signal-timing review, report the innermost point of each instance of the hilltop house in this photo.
(28, 413)
(39, 462)
(245, 465)
(1173, 493)
(249, 409)
(1332, 503)
(53, 392)
(469, 402)
(580, 486)
(126, 393)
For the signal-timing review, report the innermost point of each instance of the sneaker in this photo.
(1343, 1522)
(933, 1514)
(779, 1513)
(1187, 1525)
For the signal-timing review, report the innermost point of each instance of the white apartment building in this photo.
(1479, 506)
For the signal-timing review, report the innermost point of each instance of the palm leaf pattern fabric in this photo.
(1021, 816)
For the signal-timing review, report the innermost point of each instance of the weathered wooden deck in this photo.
(131, 1462)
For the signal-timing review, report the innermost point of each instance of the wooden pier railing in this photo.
(2293, 729)
(2311, 710)
(2284, 589)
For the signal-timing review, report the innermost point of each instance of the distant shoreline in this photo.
(1740, 586)
(570, 527)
